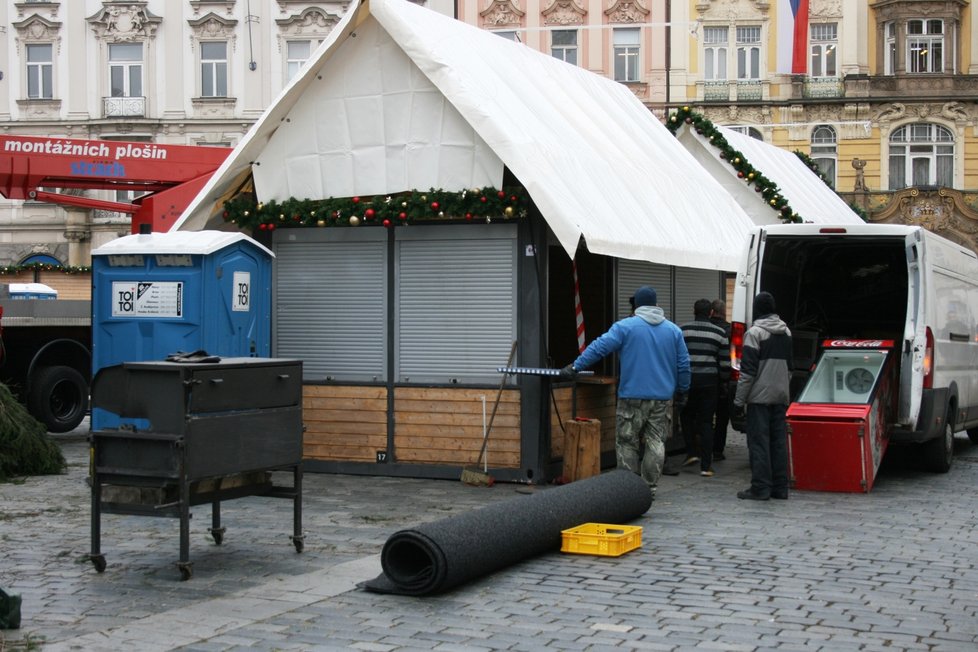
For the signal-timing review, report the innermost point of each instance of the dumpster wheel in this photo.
(98, 561)
(186, 570)
(217, 533)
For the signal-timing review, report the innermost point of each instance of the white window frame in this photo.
(508, 34)
(889, 48)
(39, 71)
(823, 49)
(921, 154)
(565, 51)
(747, 130)
(715, 51)
(218, 68)
(925, 48)
(627, 49)
(129, 71)
(748, 47)
(293, 60)
(824, 151)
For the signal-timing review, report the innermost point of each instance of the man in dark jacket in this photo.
(762, 389)
(721, 417)
(709, 361)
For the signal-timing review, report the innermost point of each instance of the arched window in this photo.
(43, 259)
(921, 154)
(824, 151)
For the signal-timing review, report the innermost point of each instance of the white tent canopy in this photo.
(807, 194)
(402, 98)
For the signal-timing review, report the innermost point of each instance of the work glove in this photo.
(568, 372)
(680, 399)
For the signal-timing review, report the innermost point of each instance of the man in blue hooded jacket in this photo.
(654, 365)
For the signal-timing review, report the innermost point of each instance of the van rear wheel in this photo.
(939, 451)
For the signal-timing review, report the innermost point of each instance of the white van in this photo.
(886, 282)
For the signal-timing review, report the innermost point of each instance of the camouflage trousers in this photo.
(641, 422)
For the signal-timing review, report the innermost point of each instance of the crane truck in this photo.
(45, 343)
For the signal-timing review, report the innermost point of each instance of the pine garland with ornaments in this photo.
(13, 270)
(477, 204)
(751, 175)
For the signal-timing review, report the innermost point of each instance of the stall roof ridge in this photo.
(809, 197)
(597, 163)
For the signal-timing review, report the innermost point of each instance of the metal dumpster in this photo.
(217, 431)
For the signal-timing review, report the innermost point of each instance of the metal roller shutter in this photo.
(633, 274)
(330, 302)
(693, 284)
(456, 303)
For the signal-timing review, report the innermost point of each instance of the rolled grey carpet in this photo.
(440, 555)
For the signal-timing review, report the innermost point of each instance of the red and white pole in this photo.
(578, 311)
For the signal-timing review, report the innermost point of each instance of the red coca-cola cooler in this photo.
(839, 427)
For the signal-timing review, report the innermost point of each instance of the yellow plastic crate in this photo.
(601, 539)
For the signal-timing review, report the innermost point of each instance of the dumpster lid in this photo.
(176, 242)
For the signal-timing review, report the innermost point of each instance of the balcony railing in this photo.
(716, 91)
(750, 91)
(816, 87)
(123, 107)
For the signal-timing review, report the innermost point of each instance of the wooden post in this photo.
(582, 449)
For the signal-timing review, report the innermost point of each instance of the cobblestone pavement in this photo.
(895, 569)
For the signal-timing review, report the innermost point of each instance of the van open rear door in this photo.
(745, 288)
(915, 336)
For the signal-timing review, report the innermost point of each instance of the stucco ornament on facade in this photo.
(312, 22)
(824, 9)
(124, 22)
(946, 211)
(563, 12)
(626, 11)
(732, 11)
(502, 13)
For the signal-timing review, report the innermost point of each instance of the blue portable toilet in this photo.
(155, 294)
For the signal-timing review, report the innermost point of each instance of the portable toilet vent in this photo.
(156, 294)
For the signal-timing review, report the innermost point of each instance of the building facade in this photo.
(879, 94)
(179, 72)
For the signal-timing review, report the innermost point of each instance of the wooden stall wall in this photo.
(444, 425)
(595, 400)
(344, 423)
(431, 425)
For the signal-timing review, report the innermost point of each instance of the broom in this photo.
(473, 475)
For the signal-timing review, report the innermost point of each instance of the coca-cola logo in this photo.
(857, 344)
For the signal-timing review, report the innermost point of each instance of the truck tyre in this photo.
(939, 451)
(58, 398)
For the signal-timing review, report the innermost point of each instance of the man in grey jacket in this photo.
(763, 390)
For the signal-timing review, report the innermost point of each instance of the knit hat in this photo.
(644, 296)
(763, 305)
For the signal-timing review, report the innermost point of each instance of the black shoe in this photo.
(669, 471)
(719, 457)
(780, 496)
(747, 494)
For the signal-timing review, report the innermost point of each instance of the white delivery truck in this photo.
(877, 282)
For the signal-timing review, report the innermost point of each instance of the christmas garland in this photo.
(751, 175)
(13, 270)
(383, 210)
